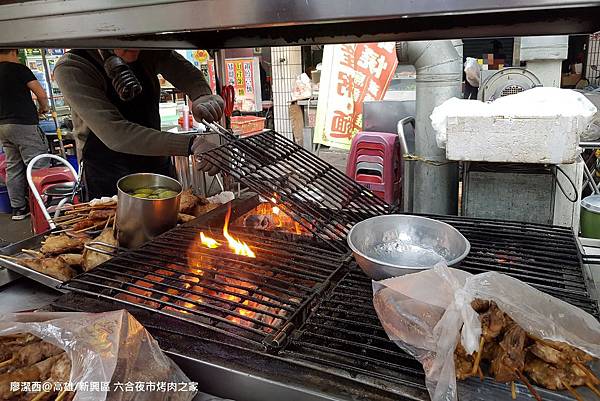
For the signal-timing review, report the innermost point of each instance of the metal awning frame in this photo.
(214, 24)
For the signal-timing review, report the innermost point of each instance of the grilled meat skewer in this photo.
(37, 372)
(510, 357)
(30, 354)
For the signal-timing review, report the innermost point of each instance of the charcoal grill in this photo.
(308, 330)
(254, 300)
(317, 195)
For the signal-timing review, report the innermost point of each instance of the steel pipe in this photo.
(439, 76)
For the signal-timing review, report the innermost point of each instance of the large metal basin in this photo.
(138, 219)
(394, 245)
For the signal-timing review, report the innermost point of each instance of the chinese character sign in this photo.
(352, 74)
(244, 75)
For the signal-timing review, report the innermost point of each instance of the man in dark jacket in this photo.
(118, 137)
(20, 136)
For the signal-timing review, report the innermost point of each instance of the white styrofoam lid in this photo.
(591, 203)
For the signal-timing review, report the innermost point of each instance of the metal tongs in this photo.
(219, 129)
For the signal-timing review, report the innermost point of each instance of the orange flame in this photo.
(239, 247)
(208, 241)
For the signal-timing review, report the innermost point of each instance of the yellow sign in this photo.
(201, 56)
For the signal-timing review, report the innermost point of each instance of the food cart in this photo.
(294, 319)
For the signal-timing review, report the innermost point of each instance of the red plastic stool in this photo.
(375, 162)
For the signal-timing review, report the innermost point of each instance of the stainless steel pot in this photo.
(138, 219)
(394, 245)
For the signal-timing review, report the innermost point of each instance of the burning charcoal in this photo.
(260, 222)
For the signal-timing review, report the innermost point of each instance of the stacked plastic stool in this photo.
(375, 161)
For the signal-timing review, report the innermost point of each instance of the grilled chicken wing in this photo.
(91, 258)
(53, 267)
(58, 244)
(72, 259)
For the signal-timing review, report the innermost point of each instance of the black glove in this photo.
(208, 107)
(201, 145)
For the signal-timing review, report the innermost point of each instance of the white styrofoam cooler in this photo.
(549, 140)
(541, 125)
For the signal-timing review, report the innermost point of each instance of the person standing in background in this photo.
(20, 135)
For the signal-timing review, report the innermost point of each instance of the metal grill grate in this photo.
(344, 332)
(255, 300)
(317, 195)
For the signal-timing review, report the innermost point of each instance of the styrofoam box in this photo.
(547, 139)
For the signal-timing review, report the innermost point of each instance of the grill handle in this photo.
(91, 246)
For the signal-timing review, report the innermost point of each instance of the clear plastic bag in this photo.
(472, 71)
(423, 314)
(103, 347)
(302, 87)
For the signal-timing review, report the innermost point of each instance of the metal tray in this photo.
(15, 250)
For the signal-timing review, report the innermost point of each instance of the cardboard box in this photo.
(569, 79)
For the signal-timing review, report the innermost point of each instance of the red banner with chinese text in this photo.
(352, 74)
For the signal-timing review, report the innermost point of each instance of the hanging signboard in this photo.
(244, 75)
(352, 74)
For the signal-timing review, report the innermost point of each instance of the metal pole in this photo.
(52, 103)
(221, 77)
(439, 74)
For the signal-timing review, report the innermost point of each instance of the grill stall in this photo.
(298, 309)
(296, 321)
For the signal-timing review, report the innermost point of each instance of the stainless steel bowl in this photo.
(139, 219)
(394, 245)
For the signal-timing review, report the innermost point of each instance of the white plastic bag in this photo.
(423, 314)
(302, 87)
(103, 347)
(532, 103)
(472, 71)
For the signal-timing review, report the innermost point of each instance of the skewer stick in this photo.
(112, 216)
(481, 376)
(77, 211)
(529, 386)
(71, 221)
(593, 388)
(571, 390)
(33, 253)
(72, 214)
(588, 373)
(7, 362)
(13, 258)
(513, 390)
(61, 395)
(478, 356)
(39, 396)
(113, 223)
(88, 228)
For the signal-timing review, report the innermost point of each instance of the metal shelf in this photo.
(246, 23)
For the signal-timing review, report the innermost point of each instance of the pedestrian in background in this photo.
(20, 135)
